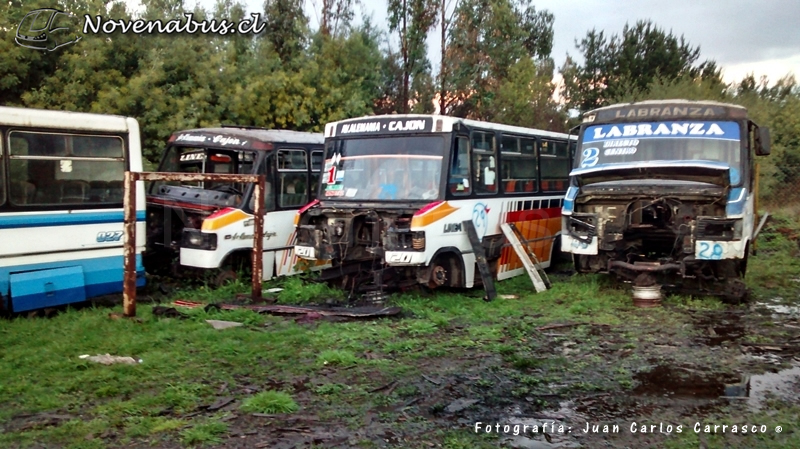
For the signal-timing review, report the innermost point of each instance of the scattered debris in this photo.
(460, 404)
(508, 296)
(348, 312)
(169, 312)
(390, 386)
(108, 359)
(273, 290)
(433, 381)
(218, 324)
(219, 403)
(556, 326)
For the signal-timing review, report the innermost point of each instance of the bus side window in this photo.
(267, 169)
(484, 162)
(519, 171)
(555, 165)
(316, 173)
(459, 180)
(293, 178)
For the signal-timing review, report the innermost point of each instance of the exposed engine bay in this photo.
(648, 235)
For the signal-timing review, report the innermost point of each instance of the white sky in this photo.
(742, 36)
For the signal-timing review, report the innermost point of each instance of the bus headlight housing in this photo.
(194, 239)
(715, 228)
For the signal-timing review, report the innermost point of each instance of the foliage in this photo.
(498, 63)
(629, 62)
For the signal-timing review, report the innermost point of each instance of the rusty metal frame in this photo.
(129, 239)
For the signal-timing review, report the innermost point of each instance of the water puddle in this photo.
(682, 382)
(543, 430)
(779, 308)
(783, 385)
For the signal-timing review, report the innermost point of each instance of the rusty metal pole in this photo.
(259, 196)
(129, 246)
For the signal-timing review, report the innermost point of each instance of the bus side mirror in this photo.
(763, 144)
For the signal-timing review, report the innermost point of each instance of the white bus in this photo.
(396, 190)
(209, 225)
(61, 214)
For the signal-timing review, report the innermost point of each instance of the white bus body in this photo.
(61, 206)
(396, 190)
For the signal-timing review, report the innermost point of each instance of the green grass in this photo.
(270, 402)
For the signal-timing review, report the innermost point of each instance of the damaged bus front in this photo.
(662, 193)
(209, 225)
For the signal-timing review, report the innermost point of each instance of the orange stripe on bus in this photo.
(212, 224)
(433, 215)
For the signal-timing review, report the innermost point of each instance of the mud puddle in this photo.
(779, 308)
(716, 330)
(783, 385)
(682, 382)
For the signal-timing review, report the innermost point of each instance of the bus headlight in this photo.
(714, 228)
(194, 239)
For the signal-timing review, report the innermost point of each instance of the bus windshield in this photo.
(181, 159)
(661, 141)
(384, 168)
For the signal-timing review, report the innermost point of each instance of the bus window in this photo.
(316, 172)
(519, 165)
(555, 166)
(458, 184)
(292, 178)
(484, 162)
(65, 169)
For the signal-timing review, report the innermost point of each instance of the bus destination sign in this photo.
(385, 125)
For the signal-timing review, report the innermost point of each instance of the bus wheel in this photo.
(438, 275)
(224, 277)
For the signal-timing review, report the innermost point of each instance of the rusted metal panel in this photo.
(129, 206)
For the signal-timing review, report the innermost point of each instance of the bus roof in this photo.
(665, 110)
(392, 124)
(10, 116)
(244, 135)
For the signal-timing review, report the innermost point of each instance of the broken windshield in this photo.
(604, 145)
(399, 168)
(181, 159)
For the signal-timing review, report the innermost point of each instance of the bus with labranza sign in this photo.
(663, 193)
(397, 189)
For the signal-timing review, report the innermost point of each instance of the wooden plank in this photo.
(526, 244)
(532, 270)
(480, 260)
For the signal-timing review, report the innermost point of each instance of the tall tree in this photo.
(487, 39)
(286, 27)
(412, 19)
(336, 16)
(618, 64)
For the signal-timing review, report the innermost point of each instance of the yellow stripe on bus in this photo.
(212, 224)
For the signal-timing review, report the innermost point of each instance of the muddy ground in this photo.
(707, 367)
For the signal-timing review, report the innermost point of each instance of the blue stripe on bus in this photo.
(101, 276)
(75, 218)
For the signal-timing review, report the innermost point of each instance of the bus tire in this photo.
(445, 271)
(224, 277)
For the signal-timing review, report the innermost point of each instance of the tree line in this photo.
(496, 65)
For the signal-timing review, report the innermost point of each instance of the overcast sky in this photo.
(742, 36)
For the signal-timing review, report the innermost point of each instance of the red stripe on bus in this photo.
(533, 214)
